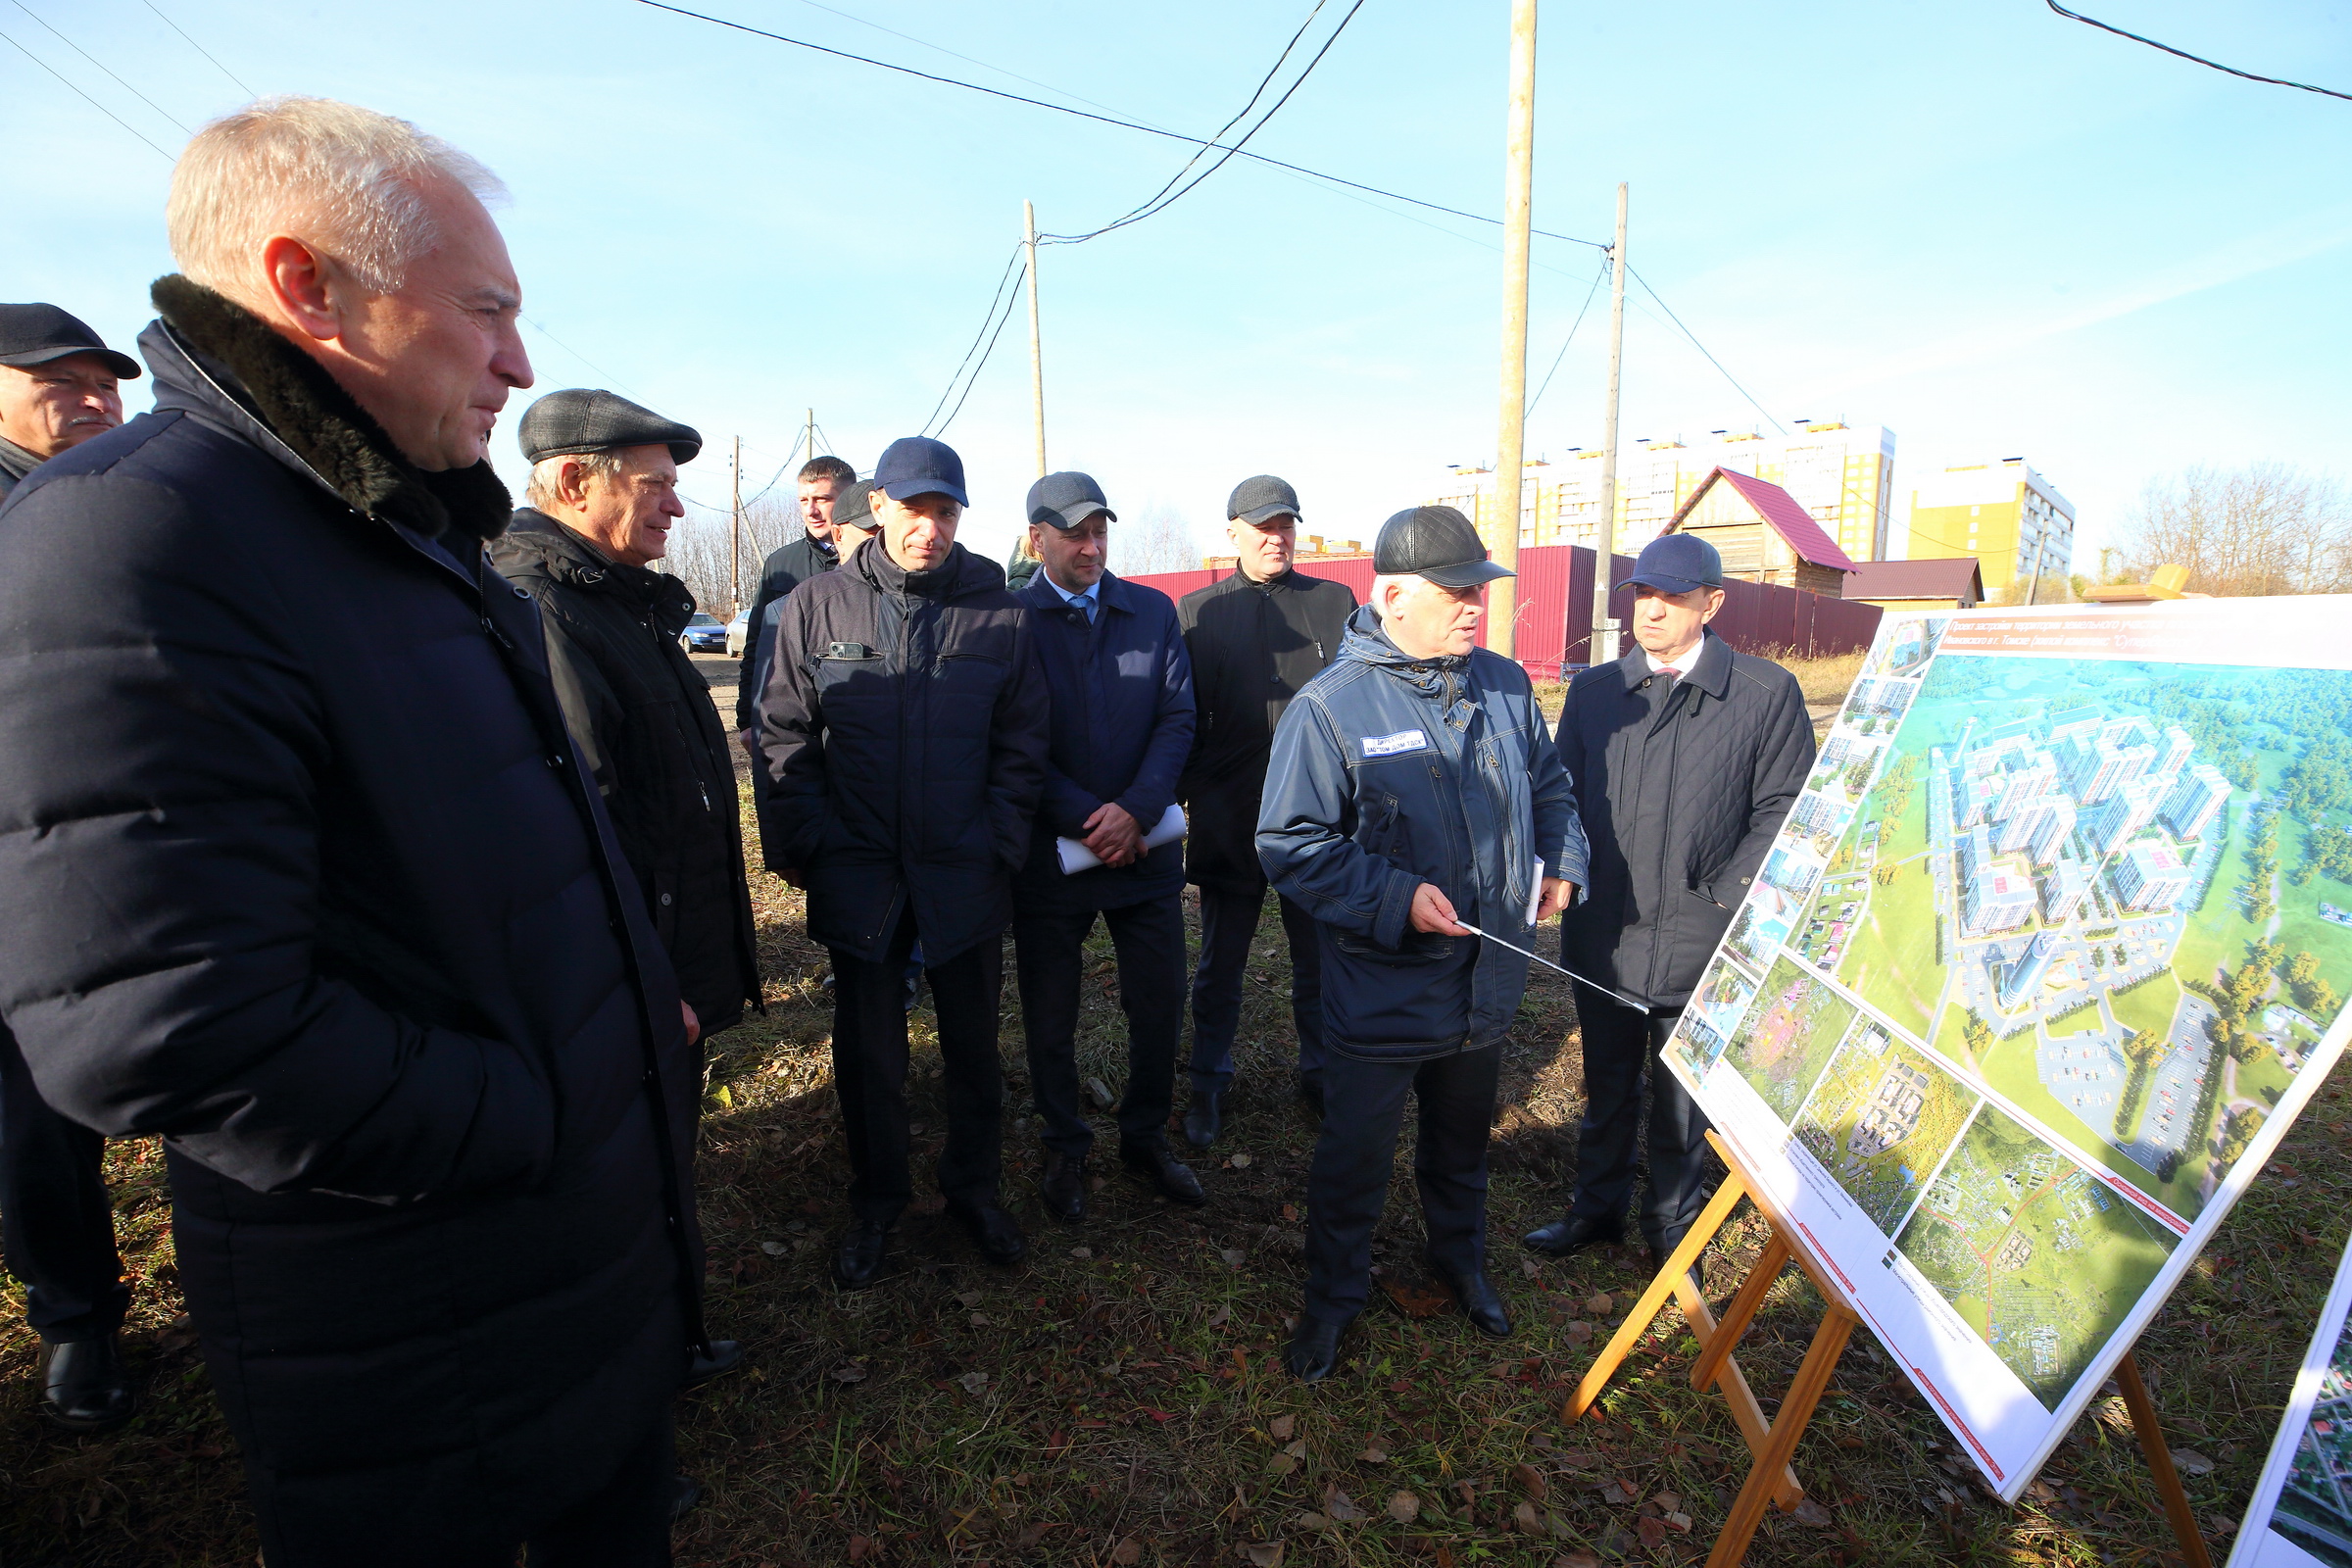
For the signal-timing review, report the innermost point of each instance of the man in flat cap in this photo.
(604, 494)
(905, 723)
(1122, 694)
(1686, 756)
(58, 388)
(1255, 639)
(1413, 789)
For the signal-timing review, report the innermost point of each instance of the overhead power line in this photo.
(988, 321)
(2182, 53)
(1105, 119)
(1702, 349)
(86, 97)
(199, 48)
(101, 64)
(1602, 273)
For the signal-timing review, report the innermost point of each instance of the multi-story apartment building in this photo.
(2009, 518)
(2151, 878)
(2189, 810)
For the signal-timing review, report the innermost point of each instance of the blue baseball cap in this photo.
(917, 466)
(1676, 563)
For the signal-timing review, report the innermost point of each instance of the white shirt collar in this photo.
(1685, 664)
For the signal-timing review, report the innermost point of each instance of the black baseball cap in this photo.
(1676, 563)
(917, 466)
(854, 508)
(580, 419)
(1261, 498)
(1436, 543)
(1067, 499)
(35, 334)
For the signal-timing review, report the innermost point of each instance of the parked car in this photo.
(739, 632)
(703, 634)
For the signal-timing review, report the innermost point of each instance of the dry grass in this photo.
(1122, 1386)
(1825, 680)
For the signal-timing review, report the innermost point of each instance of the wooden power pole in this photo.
(810, 455)
(1037, 353)
(1604, 533)
(735, 536)
(1518, 195)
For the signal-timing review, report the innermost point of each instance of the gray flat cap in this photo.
(579, 420)
(1067, 499)
(1255, 500)
(854, 508)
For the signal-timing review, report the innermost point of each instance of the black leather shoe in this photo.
(1311, 1094)
(1063, 1186)
(999, 1238)
(1698, 1273)
(1574, 1234)
(1475, 1294)
(1205, 1118)
(684, 1492)
(859, 1262)
(1313, 1353)
(86, 1389)
(1169, 1176)
(715, 1359)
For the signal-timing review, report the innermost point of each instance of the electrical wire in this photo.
(986, 320)
(609, 378)
(1103, 118)
(2272, 82)
(1702, 349)
(975, 376)
(1563, 354)
(92, 102)
(101, 64)
(1156, 203)
(199, 48)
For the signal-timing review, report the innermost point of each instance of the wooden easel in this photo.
(1772, 1443)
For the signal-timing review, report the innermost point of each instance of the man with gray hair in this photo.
(301, 872)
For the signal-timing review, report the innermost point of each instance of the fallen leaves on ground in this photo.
(1416, 1300)
(1263, 1554)
(1810, 1512)
(1127, 1552)
(1405, 1507)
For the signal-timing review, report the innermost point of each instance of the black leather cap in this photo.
(1436, 543)
(1259, 498)
(854, 508)
(35, 334)
(582, 419)
(1067, 499)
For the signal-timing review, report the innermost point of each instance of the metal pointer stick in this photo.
(1637, 1006)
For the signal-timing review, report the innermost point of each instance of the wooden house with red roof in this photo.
(1763, 535)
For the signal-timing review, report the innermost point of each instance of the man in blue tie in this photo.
(1122, 689)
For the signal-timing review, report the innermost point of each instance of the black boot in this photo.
(1574, 1234)
(1169, 1176)
(1063, 1186)
(86, 1389)
(999, 1238)
(859, 1262)
(711, 1359)
(1205, 1118)
(1315, 1349)
(1476, 1295)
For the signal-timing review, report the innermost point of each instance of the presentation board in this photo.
(2044, 962)
(2301, 1515)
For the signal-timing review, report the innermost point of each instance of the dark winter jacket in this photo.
(904, 726)
(1019, 567)
(1682, 791)
(785, 567)
(15, 463)
(299, 868)
(1389, 772)
(1253, 646)
(648, 734)
(1122, 696)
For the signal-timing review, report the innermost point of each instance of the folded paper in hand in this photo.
(1077, 858)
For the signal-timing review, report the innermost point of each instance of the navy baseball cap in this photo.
(35, 334)
(917, 466)
(1676, 563)
(1067, 499)
(1436, 543)
(1261, 499)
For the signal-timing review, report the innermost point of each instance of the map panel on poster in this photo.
(2047, 956)
(2301, 1515)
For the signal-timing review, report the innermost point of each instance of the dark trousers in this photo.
(57, 1226)
(869, 1071)
(1619, 1043)
(1347, 1185)
(1228, 924)
(1148, 938)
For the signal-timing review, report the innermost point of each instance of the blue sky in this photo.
(1996, 231)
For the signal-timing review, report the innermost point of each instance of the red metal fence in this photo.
(1555, 586)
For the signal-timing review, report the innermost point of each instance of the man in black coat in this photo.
(819, 549)
(1254, 639)
(1122, 695)
(60, 386)
(1685, 758)
(904, 724)
(302, 871)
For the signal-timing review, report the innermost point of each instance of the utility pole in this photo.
(812, 438)
(1037, 353)
(735, 536)
(1604, 533)
(1518, 194)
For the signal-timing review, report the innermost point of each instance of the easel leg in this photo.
(2160, 1463)
(1636, 1322)
(1746, 1413)
(1788, 1425)
(1740, 1311)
